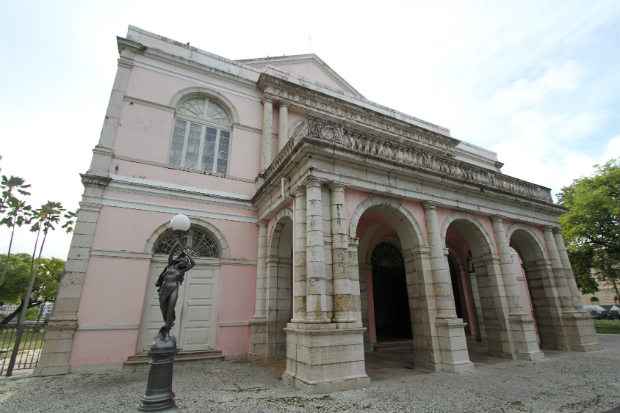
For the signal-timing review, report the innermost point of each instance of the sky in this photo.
(537, 82)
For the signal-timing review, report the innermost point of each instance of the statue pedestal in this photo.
(159, 395)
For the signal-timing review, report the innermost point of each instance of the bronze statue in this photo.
(168, 287)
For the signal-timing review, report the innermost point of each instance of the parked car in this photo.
(596, 311)
(613, 313)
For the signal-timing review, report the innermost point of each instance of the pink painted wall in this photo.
(236, 301)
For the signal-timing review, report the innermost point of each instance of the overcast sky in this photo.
(539, 84)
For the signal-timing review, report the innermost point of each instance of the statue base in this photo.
(159, 395)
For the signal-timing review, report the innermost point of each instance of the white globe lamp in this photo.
(180, 222)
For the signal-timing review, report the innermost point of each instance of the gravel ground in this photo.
(563, 382)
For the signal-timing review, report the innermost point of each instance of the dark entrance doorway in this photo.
(391, 302)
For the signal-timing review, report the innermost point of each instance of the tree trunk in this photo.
(8, 254)
(615, 285)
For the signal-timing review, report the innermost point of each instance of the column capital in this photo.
(266, 99)
(299, 190)
(283, 104)
(497, 218)
(312, 181)
(430, 205)
(335, 185)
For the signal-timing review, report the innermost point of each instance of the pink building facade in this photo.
(323, 225)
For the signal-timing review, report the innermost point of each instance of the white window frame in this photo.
(204, 124)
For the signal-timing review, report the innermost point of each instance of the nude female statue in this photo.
(168, 288)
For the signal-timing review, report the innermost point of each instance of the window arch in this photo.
(198, 240)
(201, 137)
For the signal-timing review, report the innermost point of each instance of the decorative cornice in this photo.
(390, 128)
(321, 132)
(124, 44)
(95, 180)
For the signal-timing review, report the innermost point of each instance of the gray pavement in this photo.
(563, 382)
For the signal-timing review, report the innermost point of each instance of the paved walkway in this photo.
(563, 382)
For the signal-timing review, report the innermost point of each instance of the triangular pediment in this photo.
(308, 67)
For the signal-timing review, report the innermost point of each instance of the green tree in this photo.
(591, 227)
(14, 211)
(48, 273)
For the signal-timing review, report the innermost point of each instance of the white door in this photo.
(198, 316)
(194, 327)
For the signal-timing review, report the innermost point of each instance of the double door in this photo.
(194, 327)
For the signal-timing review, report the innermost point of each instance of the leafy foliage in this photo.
(591, 226)
(47, 270)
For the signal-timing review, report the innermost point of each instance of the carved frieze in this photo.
(409, 155)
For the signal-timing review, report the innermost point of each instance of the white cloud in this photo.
(613, 149)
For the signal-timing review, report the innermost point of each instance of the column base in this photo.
(580, 333)
(258, 338)
(325, 357)
(524, 338)
(454, 356)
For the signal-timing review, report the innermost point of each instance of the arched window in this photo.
(201, 137)
(198, 240)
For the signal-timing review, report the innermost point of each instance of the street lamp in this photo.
(159, 395)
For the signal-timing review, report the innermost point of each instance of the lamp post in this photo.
(159, 395)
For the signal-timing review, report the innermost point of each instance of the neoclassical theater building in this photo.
(324, 226)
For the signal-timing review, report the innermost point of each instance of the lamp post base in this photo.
(159, 395)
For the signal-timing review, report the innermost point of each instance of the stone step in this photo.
(400, 345)
(181, 356)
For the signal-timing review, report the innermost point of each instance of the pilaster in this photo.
(267, 137)
(282, 125)
(104, 150)
(258, 323)
(61, 328)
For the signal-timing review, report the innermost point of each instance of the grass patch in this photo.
(607, 326)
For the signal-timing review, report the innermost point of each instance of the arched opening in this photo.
(394, 303)
(195, 326)
(391, 304)
(476, 281)
(279, 286)
(537, 295)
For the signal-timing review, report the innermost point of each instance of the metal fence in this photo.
(29, 349)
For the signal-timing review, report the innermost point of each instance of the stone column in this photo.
(299, 254)
(522, 326)
(258, 322)
(321, 355)
(267, 139)
(450, 329)
(578, 326)
(568, 270)
(316, 294)
(343, 288)
(563, 292)
(283, 125)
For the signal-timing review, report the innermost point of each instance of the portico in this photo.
(349, 185)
